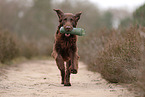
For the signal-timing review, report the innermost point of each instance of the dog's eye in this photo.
(71, 19)
(65, 19)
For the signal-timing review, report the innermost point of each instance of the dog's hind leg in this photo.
(61, 67)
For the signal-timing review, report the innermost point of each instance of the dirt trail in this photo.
(42, 79)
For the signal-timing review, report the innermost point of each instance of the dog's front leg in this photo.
(67, 74)
(60, 64)
(74, 63)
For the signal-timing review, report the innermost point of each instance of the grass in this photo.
(16, 49)
(117, 54)
(8, 46)
(119, 60)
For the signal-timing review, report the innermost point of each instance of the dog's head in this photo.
(67, 20)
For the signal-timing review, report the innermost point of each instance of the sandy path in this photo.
(41, 79)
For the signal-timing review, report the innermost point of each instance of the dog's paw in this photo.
(73, 71)
(67, 84)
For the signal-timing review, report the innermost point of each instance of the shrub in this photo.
(115, 54)
(141, 78)
(139, 15)
(91, 44)
(32, 48)
(8, 46)
(141, 83)
(11, 47)
(119, 60)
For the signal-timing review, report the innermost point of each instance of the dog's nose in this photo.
(68, 27)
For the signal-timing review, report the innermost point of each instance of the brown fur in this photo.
(65, 48)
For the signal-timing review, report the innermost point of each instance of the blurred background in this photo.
(34, 22)
(114, 44)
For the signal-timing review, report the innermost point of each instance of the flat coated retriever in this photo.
(65, 47)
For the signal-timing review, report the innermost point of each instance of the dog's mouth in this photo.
(67, 35)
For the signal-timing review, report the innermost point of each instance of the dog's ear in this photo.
(77, 16)
(59, 12)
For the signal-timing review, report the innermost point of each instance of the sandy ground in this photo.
(42, 79)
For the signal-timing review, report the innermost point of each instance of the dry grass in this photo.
(91, 44)
(31, 48)
(119, 60)
(8, 46)
(140, 84)
(12, 47)
(118, 55)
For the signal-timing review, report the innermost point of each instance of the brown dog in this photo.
(65, 48)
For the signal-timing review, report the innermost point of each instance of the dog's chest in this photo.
(66, 43)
